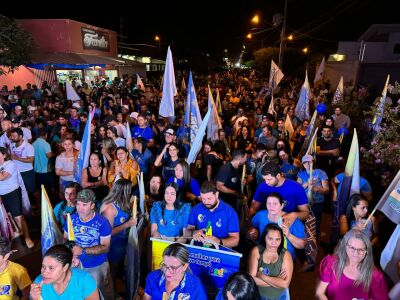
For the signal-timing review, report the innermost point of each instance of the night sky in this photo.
(212, 26)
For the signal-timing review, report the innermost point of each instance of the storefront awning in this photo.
(75, 60)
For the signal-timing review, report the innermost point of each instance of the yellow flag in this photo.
(134, 207)
(71, 235)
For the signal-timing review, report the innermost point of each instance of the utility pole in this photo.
(283, 37)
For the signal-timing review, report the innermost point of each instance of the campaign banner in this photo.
(212, 266)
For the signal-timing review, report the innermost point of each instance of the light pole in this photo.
(283, 37)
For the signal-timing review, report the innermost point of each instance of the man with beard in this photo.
(328, 149)
(213, 219)
(293, 194)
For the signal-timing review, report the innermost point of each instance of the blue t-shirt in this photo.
(318, 177)
(173, 222)
(364, 184)
(194, 185)
(146, 132)
(289, 171)
(260, 220)
(118, 241)
(291, 191)
(189, 288)
(88, 234)
(81, 286)
(224, 219)
(145, 160)
(61, 211)
(41, 147)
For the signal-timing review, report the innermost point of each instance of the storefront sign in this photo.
(95, 39)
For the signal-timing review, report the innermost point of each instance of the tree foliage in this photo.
(385, 144)
(16, 45)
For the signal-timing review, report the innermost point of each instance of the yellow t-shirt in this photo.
(12, 278)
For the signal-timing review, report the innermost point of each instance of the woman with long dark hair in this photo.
(356, 215)
(169, 217)
(94, 177)
(270, 265)
(189, 189)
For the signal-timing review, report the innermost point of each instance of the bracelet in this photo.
(220, 242)
(84, 251)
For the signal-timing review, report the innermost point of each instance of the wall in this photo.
(63, 35)
(347, 69)
(20, 77)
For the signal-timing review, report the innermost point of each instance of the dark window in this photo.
(396, 49)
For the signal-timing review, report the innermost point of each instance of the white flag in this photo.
(169, 88)
(275, 75)
(320, 73)
(139, 83)
(271, 106)
(71, 93)
(338, 97)
(214, 123)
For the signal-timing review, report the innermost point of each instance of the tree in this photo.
(385, 144)
(16, 45)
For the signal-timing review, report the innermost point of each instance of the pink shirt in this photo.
(345, 289)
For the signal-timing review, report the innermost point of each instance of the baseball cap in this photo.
(306, 158)
(170, 131)
(18, 107)
(134, 115)
(86, 195)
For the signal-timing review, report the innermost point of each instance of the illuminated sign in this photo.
(95, 39)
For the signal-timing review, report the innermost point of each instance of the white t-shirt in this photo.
(27, 134)
(66, 164)
(4, 140)
(11, 183)
(24, 151)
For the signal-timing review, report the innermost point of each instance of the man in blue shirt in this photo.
(92, 241)
(213, 219)
(143, 130)
(142, 155)
(294, 196)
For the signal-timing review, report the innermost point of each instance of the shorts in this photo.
(29, 180)
(13, 202)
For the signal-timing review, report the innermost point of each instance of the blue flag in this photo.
(198, 141)
(302, 110)
(84, 153)
(169, 88)
(51, 234)
(192, 112)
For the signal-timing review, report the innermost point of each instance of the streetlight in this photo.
(249, 36)
(158, 40)
(305, 50)
(290, 37)
(255, 19)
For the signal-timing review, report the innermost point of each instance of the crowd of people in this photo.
(249, 189)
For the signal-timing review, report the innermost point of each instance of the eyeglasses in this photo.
(358, 251)
(172, 269)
